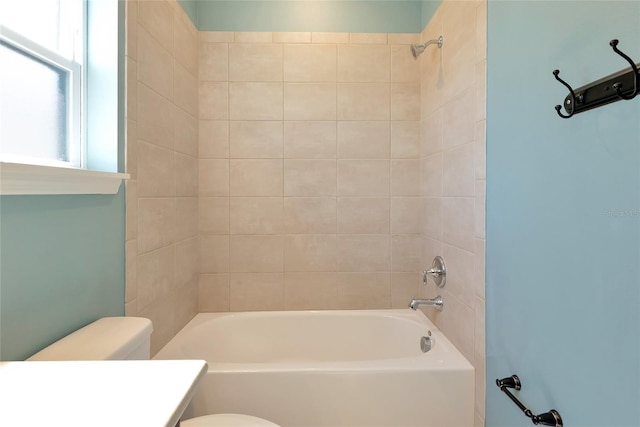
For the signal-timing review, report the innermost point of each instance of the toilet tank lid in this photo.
(108, 338)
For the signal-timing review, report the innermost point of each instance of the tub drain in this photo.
(425, 344)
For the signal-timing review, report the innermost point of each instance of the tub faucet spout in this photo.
(432, 302)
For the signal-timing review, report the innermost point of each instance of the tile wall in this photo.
(452, 168)
(162, 159)
(309, 171)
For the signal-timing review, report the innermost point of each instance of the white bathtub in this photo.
(327, 368)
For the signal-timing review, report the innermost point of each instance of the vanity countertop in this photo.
(128, 393)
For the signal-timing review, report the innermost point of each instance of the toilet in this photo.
(129, 338)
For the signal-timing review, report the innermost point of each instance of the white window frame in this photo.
(28, 175)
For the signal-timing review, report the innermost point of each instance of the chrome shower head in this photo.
(417, 49)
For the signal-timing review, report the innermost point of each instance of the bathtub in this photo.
(327, 368)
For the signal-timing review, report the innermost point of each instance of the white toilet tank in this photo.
(109, 338)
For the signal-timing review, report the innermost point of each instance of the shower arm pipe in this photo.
(439, 42)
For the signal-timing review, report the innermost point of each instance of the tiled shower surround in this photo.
(288, 171)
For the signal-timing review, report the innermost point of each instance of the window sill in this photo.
(22, 179)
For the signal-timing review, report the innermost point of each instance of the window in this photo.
(60, 96)
(42, 60)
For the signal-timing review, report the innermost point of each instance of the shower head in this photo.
(417, 49)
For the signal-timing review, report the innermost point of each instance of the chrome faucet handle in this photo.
(438, 272)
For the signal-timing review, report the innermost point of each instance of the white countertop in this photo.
(135, 393)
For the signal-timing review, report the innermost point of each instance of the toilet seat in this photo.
(227, 420)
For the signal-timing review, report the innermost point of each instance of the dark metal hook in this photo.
(617, 86)
(572, 100)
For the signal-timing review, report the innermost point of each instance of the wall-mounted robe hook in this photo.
(624, 84)
(569, 102)
(618, 86)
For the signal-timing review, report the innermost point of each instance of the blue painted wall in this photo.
(563, 216)
(62, 267)
(386, 16)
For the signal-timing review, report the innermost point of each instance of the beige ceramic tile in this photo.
(156, 223)
(131, 209)
(186, 175)
(309, 177)
(363, 177)
(155, 276)
(480, 381)
(310, 291)
(329, 37)
(185, 132)
(213, 177)
(310, 101)
(186, 44)
(460, 273)
(256, 254)
(161, 314)
(363, 140)
(132, 89)
(213, 215)
(213, 139)
(131, 270)
(481, 31)
(458, 221)
(256, 101)
(215, 36)
(431, 134)
(310, 140)
(481, 90)
(213, 293)
(405, 140)
(256, 140)
(155, 64)
(403, 38)
(157, 18)
(459, 56)
(404, 286)
(256, 291)
(310, 252)
(479, 309)
(432, 217)
(256, 215)
(213, 64)
(131, 308)
(185, 90)
(185, 304)
(252, 177)
(156, 171)
(310, 63)
(214, 254)
(363, 63)
(363, 215)
(405, 215)
(131, 160)
(404, 69)
(458, 177)
(368, 38)
(480, 151)
(405, 101)
(292, 37)
(249, 62)
(457, 126)
(431, 171)
(480, 206)
(457, 324)
(186, 217)
(479, 269)
(364, 290)
(132, 29)
(213, 100)
(155, 117)
(405, 177)
(309, 215)
(363, 101)
(364, 252)
(186, 268)
(253, 37)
